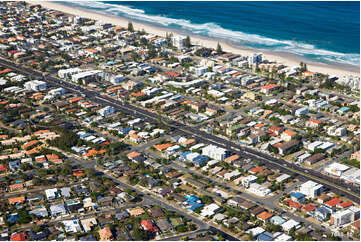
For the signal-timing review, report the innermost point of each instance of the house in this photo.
(314, 158)
(257, 210)
(264, 216)
(277, 220)
(253, 139)
(231, 221)
(287, 135)
(57, 210)
(336, 169)
(267, 89)
(287, 147)
(232, 159)
(265, 236)
(71, 226)
(149, 226)
(345, 204)
(210, 210)
(40, 212)
(135, 211)
(21, 236)
(311, 189)
(248, 180)
(52, 193)
(88, 224)
(164, 225)
(156, 212)
(313, 123)
(215, 152)
(73, 205)
(16, 200)
(41, 235)
(105, 234)
(321, 213)
(255, 231)
(323, 198)
(247, 205)
(301, 111)
(355, 156)
(105, 201)
(235, 201)
(3, 168)
(108, 110)
(292, 204)
(342, 217)
(297, 196)
(290, 224)
(16, 186)
(193, 202)
(309, 208)
(333, 202)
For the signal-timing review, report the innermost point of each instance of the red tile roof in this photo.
(269, 86)
(149, 226)
(309, 207)
(345, 204)
(293, 204)
(3, 167)
(333, 202)
(19, 237)
(172, 74)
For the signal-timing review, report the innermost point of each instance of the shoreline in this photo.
(286, 59)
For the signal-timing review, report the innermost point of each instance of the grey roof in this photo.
(40, 212)
(65, 191)
(163, 224)
(57, 208)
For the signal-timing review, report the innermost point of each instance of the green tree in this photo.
(24, 216)
(188, 42)
(219, 49)
(130, 27)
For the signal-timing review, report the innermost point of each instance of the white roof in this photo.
(209, 210)
(51, 192)
(213, 162)
(283, 237)
(86, 73)
(197, 146)
(289, 224)
(338, 167)
(256, 231)
(282, 177)
(326, 145)
(72, 226)
(219, 216)
(87, 223)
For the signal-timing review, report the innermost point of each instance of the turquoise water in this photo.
(326, 32)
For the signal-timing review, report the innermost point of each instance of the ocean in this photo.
(323, 32)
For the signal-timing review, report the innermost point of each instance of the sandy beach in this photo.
(283, 58)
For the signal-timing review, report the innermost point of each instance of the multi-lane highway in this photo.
(336, 185)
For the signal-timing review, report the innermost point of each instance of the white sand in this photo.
(207, 42)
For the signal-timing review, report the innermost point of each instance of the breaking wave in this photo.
(214, 30)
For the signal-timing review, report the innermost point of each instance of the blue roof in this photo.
(13, 218)
(277, 220)
(84, 135)
(264, 237)
(297, 195)
(194, 205)
(183, 155)
(323, 210)
(192, 198)
(125, 130)
(344, 109)
(201, 159)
